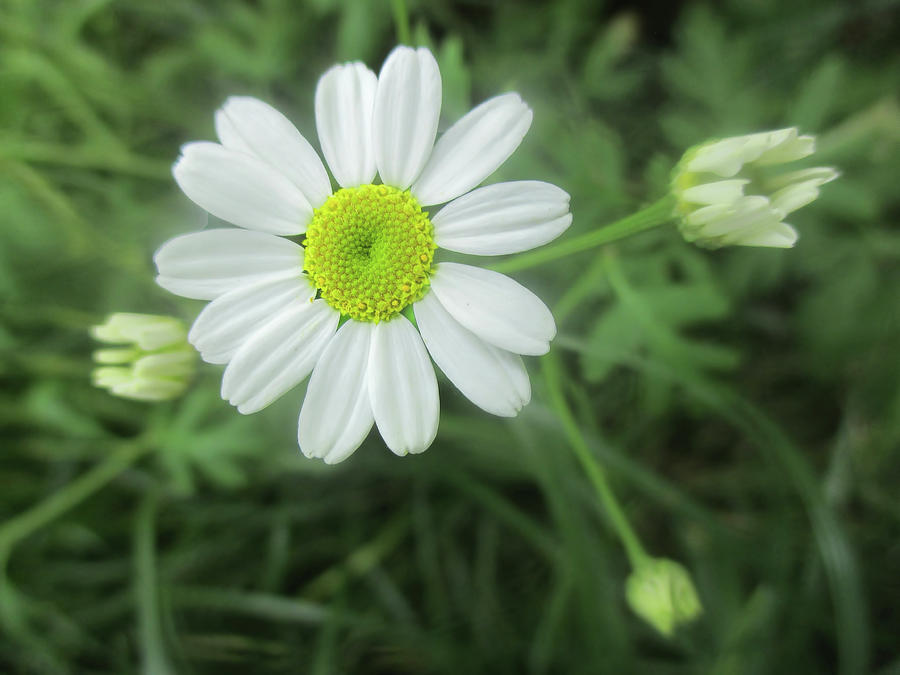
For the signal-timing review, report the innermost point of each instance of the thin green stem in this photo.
(155, 661)
(23, 525)
(401, 22)
(596, 473)
(652, 216)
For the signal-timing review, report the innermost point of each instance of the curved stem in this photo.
(597, 475)
(21, 526)
(651, 216)
(155, 661)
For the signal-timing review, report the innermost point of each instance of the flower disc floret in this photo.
(369, 251)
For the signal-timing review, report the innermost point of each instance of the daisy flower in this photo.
(321, 281)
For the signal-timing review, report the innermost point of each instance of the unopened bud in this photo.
(153, 361)
(730, 194)
(661, 592)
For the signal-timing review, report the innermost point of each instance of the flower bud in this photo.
(729, 194)
(661, 592)
(154, 361)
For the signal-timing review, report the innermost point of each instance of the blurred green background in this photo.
(746, 403)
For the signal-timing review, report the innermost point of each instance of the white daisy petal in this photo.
(817, 176)
(793, 197)
(402, 387)
(345, 99)
(204, 265)
(179, 364)
(336, 414)
(716, 212)
(788, 150)
(494, 307)
(405, 119)
(279, 355)
(726, 157)
(473, 148)
(747, 213)
(717, 192)
(493, 379)
(503, 218)
(241, 189)
(722, 157)
(776, 235)
(143, 389)
(228, 321)
(247, 124)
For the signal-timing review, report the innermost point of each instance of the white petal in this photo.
(793, 197)
(402, 387)
(708, 214)
(778, 235)
(181, 364)
(204, 265)
(726, 157)
(345, 99)
(493, 379)
(405, 120)
(789, 150)
(336, 414)
(473, 148)
(503, 218)
(109, 376)
(248, 124)
(147, 331)
(228, 321)
(494, 307)
(144, 389)
(747, 214)
(279, 355)
(715, 212)
(721, 157)
(241, 189)
(818, 175)
(718, 192)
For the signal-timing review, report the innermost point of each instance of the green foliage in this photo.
(745, 403)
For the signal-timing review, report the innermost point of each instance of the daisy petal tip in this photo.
(193, 147)
(541, 348)
(236, 100)
(419, 450)
(305, 451)
(338, 455)
(193, 334)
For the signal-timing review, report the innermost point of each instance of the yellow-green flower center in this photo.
(369, 251)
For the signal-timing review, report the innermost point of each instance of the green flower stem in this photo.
(597, 475)
(652, 216)
(155, 661)
(401, 22)
(23, 525)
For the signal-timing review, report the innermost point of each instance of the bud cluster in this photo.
(153, 361)
(728, 192)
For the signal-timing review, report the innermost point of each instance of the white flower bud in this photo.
(661, 592)
(728, 196)
(154, 363)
